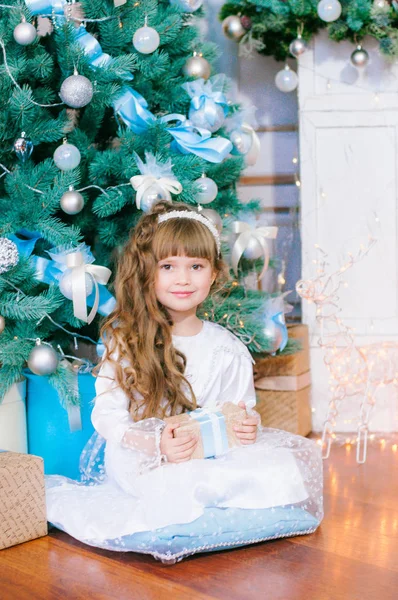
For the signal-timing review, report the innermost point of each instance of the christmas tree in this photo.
(95, 98)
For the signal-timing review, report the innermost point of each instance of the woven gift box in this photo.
(22, 499)
(283, 387)
(214, 426)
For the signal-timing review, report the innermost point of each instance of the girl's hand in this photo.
(246, 432)
(179, 449)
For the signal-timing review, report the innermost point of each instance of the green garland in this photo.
(276, 23)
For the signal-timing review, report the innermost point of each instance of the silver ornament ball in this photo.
(43, 360)
(214, 217)
(253, 250)
(273, 334)
(200, 119)
(65, 284)
(2, 324)
(9, 256)
(72, 202)
(25, 33)
(154, 194)
(67, 157)
(197, 67)
(146, 40)
(233, 28)
(76, 91)
(23, 147)
(208, 190)
(188, 6)
(359, 58)
(297, 47)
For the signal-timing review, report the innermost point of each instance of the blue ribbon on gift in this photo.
(51, 271)
(188, 138)
(213, 431)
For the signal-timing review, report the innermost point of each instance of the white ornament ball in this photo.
(72, 202)
(197, 67)
(43, 360)
(67, 157)
(65, 284)
(359, 58)
(297, 47)
(25, 33)
(76, 91)
(233, 28)
(9, 256)
(2, 324)
(329, 10)
(274, 336)
(241, 140)
(286, 80)
(214, 217)
(154, 194)
(146, 40)
(253, 249)
(188, 6)
(200, 119)
(208, 190)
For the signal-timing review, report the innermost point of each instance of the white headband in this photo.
(190, 214)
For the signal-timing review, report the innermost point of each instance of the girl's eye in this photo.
(197, 267)
(166, 267)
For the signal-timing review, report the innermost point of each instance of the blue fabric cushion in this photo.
(218, 529)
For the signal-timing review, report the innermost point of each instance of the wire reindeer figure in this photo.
(355, 370)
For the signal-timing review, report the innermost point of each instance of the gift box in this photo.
(54, 433)
(283, 387)
(215, 428)
(22, 499)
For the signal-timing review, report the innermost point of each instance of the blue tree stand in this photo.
(49, 434)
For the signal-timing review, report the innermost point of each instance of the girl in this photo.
(162, 360)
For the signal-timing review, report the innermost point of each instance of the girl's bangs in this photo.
(184, 237)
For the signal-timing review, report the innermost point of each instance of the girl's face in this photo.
(182, 283)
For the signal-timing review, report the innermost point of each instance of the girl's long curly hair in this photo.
(138, 333)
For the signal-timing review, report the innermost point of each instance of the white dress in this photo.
(131, 491)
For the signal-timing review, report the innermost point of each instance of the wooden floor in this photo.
(353, 556)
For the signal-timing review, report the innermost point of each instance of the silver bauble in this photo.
(25, 33)
(2, 324)
(297, 47)
(9, 256)
(23, 147)
(233, 28)
(329, 10)
(273, 334)
(76, 91)
(154, 194)
(72, 202)
(197, 67)
(200, 119)
(188, 6)
(359, 58)
(213, 216)
(67, 157)
(43, 360)
(253, 249)
(208, 190)
(65, 284)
